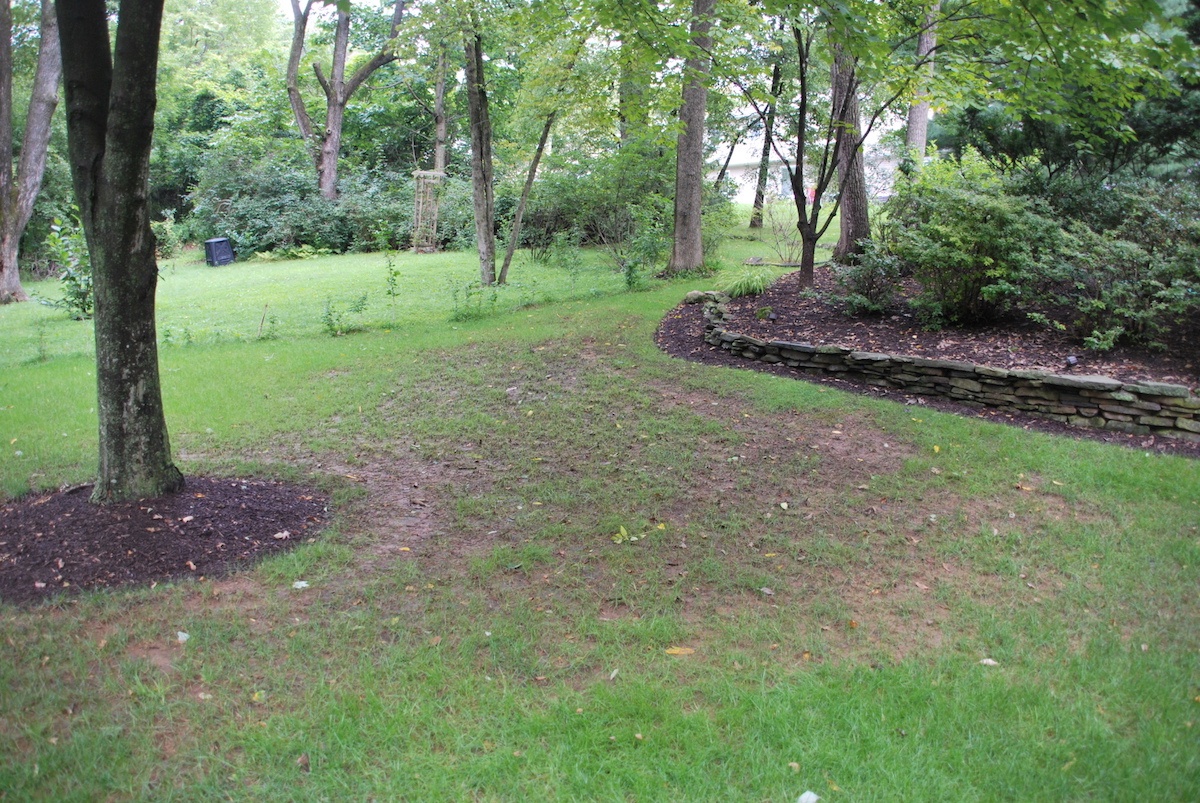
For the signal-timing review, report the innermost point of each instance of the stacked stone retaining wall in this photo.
(1099, 402)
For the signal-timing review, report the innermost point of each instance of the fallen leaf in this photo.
(989, 662)
(282, 535)
(769, 592)
(300, 584)
(680, 651)
(302, 762)
(436, 640)
(186, 519)
(613, 676)
(937, 449)
(921, 586)
(181, 637)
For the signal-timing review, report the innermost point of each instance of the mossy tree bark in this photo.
(110, 100)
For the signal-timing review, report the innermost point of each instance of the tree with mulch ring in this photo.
(59, 543)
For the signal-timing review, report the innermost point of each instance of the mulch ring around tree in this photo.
(59, 543)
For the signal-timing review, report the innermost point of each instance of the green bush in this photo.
(970, 245)
(67, 248)
(868, 285)
(1121, 291)
(1129, 269)
(262, 194)
(168, 242)
(592, 194)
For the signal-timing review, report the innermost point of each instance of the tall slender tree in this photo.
(481, 155)
(19, 190)
(764, 159)
(110, 100)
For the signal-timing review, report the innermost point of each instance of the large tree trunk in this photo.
(917, 133)
(18, 193)
(110, 98)
(525, 190)
(481, 159)
(687, 250)
(325, 144)
(852, 182)
(764, 160)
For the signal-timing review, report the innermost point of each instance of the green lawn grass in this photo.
(476, 627)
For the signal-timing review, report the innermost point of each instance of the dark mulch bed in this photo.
(816, 318)
(56, 543)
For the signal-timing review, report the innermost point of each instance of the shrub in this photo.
(869, 283)
(168, 242)
(68, 249)
(970, 245)
(1120, 291)
(1130, 264)
(262, 194)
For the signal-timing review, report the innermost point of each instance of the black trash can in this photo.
(218, 251)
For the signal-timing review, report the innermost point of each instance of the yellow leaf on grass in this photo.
(937, 449)
(680, 651)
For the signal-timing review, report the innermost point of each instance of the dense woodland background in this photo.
(297, 132)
